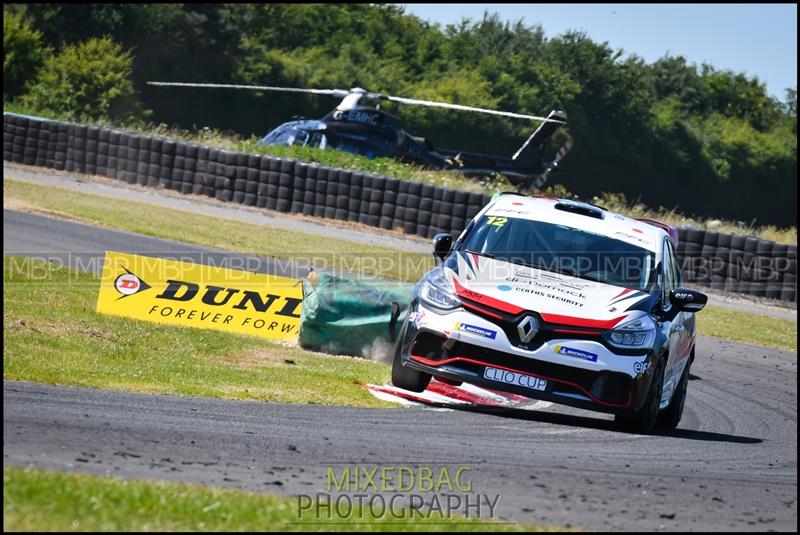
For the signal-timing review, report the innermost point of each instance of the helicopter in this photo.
(358, 125)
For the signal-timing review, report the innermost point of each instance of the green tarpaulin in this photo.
(352, 316)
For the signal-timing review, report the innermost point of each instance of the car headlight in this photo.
(436, 291)
(639, 332)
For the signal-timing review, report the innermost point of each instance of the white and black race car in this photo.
(560, 301)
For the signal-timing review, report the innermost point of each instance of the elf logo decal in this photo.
(129, 284)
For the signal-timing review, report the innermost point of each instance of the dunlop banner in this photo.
(197, 295)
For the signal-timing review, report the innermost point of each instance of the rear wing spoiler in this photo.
(669, 229)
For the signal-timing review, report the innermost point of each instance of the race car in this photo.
(561, 301)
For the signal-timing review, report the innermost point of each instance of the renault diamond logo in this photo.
(527, 329)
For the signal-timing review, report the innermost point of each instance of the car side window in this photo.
(676, 272)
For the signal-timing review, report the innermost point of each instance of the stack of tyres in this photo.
(366, 197)
(691, 265)
(113, 159)
(356, 196)
(376, 201)
(343, 195)
(458, 219)
(734, 274)
(399, 216)
(789, 282)
(747, 275)
(321, 192)
(240, 178)
(411, 212)
(425, 210)
(778, 267)
(762, 272)
(721, 261)
(299, 187)
(262, 191)
(310, 189)
(202, 168)
(389, 203)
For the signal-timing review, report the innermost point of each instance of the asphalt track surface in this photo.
(731, 466)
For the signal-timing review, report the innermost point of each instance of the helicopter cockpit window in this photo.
(319, 140)
(286, 135)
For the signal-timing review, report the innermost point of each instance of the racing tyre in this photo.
(671, 416)
(406, 378)
(644, 420)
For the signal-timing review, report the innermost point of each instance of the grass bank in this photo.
(217, 232)
(52, 334)
(35, 500)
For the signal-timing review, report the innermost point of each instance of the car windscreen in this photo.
(562, 249)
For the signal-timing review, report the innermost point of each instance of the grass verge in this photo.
(232, 235)
(35, 500)
(217, 232)
(748, 328)
(52, 334)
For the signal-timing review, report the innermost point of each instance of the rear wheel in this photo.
(671, 416)
(644, 420)
(407, 378)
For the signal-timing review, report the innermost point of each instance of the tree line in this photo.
(706, 141)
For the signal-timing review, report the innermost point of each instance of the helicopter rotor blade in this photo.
(331, 92)
(431, 103)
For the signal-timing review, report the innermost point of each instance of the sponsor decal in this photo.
(640, 367)
(504, 288)
(195, 295)
(417, 317)
(129, 284)
(513, 378)
(358, 116)
(474, 329)
(573, 352)
(497, 221)
(556, 285)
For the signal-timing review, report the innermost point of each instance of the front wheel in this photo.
(407, 378)
(671, 416)
(644, 420)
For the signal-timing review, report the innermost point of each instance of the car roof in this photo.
(581, 216)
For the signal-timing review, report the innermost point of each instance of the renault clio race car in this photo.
(560, 301)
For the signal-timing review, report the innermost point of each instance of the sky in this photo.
(759, 40)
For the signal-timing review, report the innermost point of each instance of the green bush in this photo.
(87, 82)
(23, 53)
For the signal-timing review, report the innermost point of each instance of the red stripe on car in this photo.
(486, 300)
(580, 322)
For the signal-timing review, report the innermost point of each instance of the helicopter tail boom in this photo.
(534, 144)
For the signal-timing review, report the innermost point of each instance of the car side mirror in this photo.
(685, 300)
(442, 243)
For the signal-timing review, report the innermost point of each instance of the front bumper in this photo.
(580, 371)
